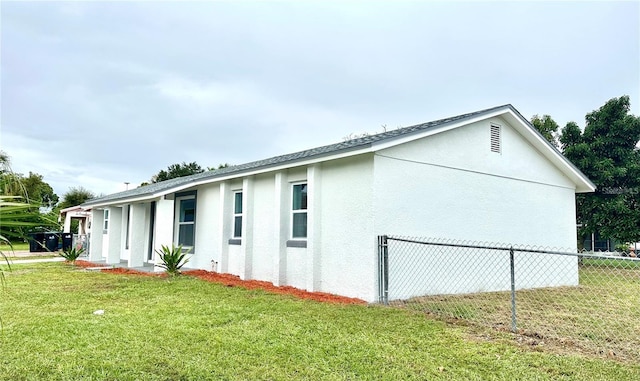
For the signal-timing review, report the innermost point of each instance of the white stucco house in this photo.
(81, 214)
(311, 219)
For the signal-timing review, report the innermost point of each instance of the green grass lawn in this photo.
(17, 246)
(620, 263)
(188, 329)
(600, 317)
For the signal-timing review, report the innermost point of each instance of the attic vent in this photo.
(495, 139)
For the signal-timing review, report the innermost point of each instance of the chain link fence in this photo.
(81, 241)
(576, 302)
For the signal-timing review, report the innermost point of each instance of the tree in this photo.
(607, 152)
(76, 196)
(10, 184)
(38, 191)
(33, 189)
(10, 219)
(177, 170)
(220, 166)
(547, 127)
(22, 198)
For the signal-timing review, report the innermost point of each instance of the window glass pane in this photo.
(106, 220)
(185, 235)
(187, 210)
(237, 226)
(300, 225)
(238, 203)
(300, 197)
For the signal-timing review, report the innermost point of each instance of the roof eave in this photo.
(582, 182)
(395, 141)
(347, 152)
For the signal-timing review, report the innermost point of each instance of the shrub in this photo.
(71, 254)
(622, 247)
(173, 258)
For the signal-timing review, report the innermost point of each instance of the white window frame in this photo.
(105, 221)
(237, 215)
(298, 211)
(176, 235)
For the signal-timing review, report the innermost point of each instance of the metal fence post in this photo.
(383, 269)
(513, 290)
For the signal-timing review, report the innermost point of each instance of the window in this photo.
(495, 139)
(299, 211)
(237, 215)
(186, 221)
(105, 225)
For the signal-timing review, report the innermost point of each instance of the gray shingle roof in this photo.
(353, 144)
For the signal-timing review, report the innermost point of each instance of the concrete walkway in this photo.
(13, 261)
(19, 257)
(25, 257)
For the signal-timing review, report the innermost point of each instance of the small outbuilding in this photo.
(310, 219)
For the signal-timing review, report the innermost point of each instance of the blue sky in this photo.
(96, 94)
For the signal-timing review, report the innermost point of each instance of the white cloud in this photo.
(96, 94)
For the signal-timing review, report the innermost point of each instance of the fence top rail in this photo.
(510, 248)
(449, 244)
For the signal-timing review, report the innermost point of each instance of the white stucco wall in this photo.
(263, 228)
(344, 192)
(296, 267)
(235, 260)
(451, 186)
(348, 254)
(96, 238)
(207, 227)
(125, 250)
(472, 193)
(164, 223)
(138, 240)
(115, 243)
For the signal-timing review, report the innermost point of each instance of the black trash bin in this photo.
(36, 242)
(67, 241)
(52, 239)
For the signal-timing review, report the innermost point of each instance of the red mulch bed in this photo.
(85, 264)
(235, 281)
(124, 270)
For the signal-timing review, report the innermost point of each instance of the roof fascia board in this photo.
(258, 171)
(122, 201)
(251, 172)
(72, 208)
(583, 184)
